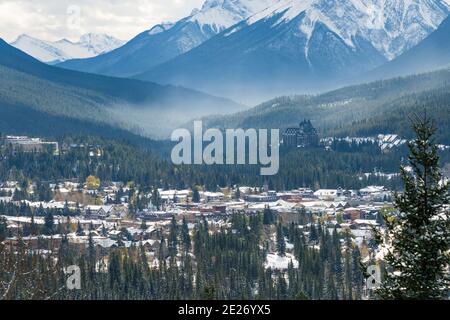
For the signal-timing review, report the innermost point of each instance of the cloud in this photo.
(57, 19)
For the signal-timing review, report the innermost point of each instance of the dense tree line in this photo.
(417, 237)
(361, 110)
(125, 162)
(228, 263)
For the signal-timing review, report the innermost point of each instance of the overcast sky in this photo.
(57, 19)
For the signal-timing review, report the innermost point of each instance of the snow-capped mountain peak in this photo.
(368, 31)
(89, 45)
(160, 28)
(164, 42)
(391, 26)
(100, 43)
(301, 45)
(40, 49)
(222, 14)
(212, 18)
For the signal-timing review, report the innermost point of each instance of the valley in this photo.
(242, 150)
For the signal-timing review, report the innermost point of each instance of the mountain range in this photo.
(166, 41)
(89, 45)
(303, 45)
(265, 48)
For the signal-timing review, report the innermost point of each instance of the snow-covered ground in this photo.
(278, 262)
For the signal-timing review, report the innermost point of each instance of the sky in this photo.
(57, 19)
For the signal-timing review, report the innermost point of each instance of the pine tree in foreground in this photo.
(417, 238)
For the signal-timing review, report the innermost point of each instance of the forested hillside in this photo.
(377, 107)
(147, 163)
(41, 95)
(120, 102)
(222, 265)
(19, 120)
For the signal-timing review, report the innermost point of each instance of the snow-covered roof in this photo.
(372, 189)
(363, 221)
